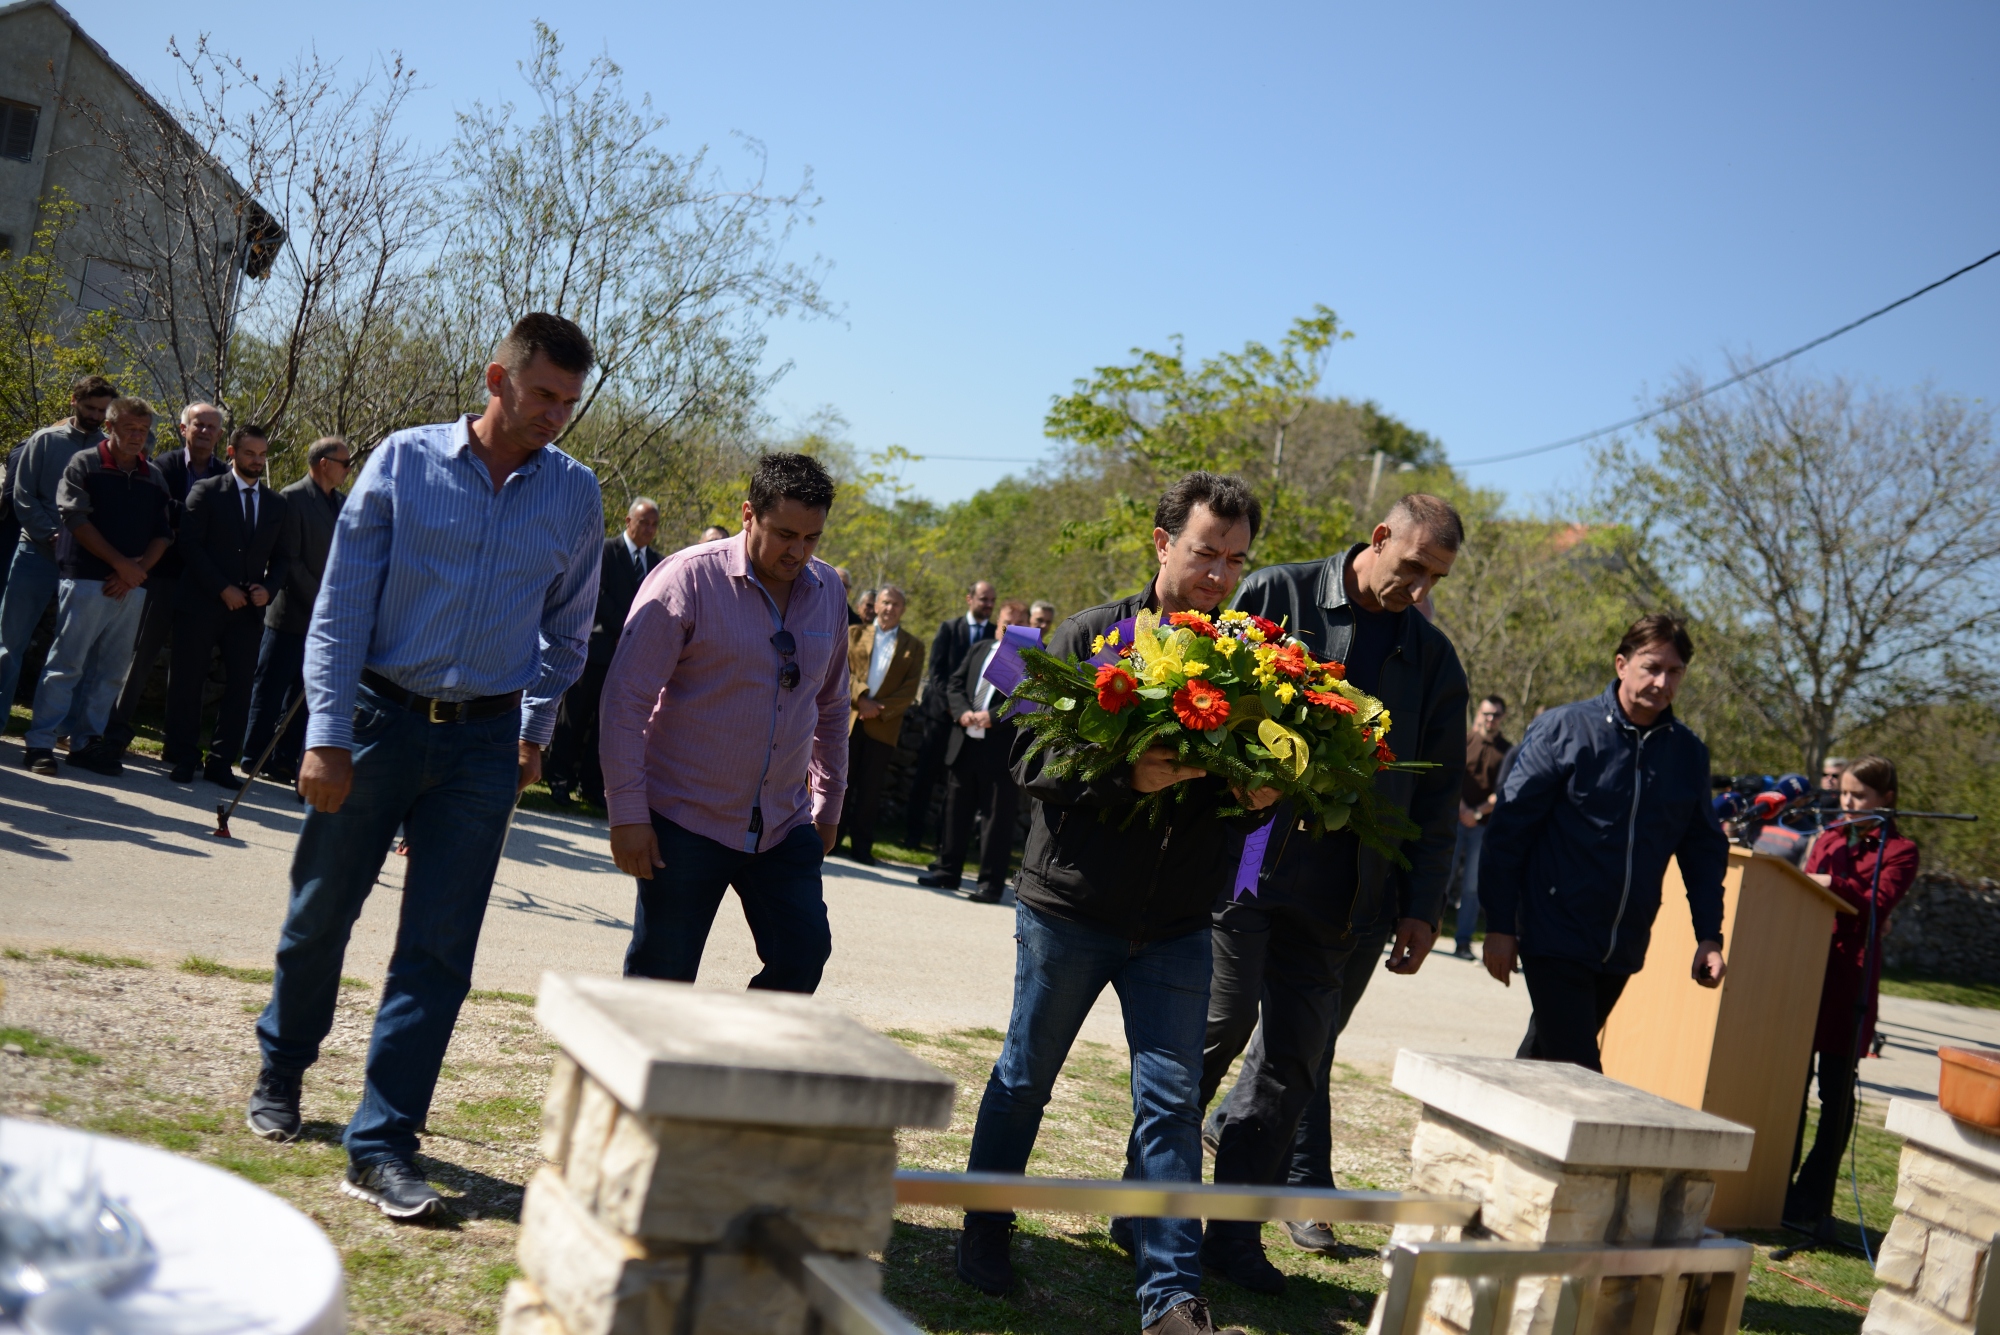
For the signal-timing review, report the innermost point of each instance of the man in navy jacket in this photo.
(1601, 793)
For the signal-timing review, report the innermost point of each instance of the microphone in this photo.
(1793, 786)
(1766, 806)
(1731, 805)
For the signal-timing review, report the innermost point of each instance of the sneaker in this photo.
(1190, 1318)
(394, 1187)
(983, 1261)
(1313, 1236)
(40, 759)
(1463, 953)
(1242, 1264)
(219, 774)
(98, 759)
(274, 1105)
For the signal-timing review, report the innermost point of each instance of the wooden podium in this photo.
(1741, 1050)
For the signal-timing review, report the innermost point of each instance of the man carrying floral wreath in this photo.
(1103, 900)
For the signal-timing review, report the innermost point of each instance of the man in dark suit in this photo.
(980, 782)
(229, 547)
(885, 665)
(954, 640)
(312, 504)
(197, 460)
(628, 559)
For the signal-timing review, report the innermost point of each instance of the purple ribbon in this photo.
(1252, 864)
(1003, 667)
(1125, 630)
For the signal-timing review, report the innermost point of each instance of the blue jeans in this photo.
(31, 582)
(783, 901)
(1470, 839)
(87, 663)
(281, 660)
(451, 787)
(1059, 970)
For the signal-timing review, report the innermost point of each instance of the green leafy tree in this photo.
(48, 345)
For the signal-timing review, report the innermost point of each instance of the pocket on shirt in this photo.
(815, 651)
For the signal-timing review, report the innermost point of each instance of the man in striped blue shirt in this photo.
(453, 614)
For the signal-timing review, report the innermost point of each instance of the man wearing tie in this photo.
(229, 545)
(979, 782)
(884, 665)
(954, 640)
(628, 559)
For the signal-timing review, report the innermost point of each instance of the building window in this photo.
(17, 130)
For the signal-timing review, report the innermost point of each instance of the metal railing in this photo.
(1495, 1270)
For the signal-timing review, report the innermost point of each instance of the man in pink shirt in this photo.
(723, 736)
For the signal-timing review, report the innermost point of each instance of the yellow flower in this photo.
(1285, 691)
(1234, 614)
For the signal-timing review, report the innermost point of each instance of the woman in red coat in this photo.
(1844, 861)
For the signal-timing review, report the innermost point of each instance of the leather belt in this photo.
(441, 711)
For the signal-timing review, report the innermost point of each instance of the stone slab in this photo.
(1891, 1313)
(1573, 1116)
(1922, 1121)
(594, 1280)
(770, 1058)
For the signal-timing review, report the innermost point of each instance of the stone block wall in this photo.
(1948, 925)
(1933, 1262)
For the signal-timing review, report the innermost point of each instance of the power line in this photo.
(1725, 384)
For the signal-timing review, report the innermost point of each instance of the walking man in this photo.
(730, 644)
(1104, 900)
(1485, 751)
(885, 664)
(451, 619)
(978, 781)
(953, 641)
(229, 547)
(34, 473)
(628, 559)
(1283, 954)
(312, 508)
(116, 526)
(1599, 795)
(196, 461)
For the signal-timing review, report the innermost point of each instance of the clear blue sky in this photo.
(1527, 219)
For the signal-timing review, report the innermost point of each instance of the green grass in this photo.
(207, 968)
(1955, 992)
(34, 1045)
(97, 961)
(182, 1133)
(14, 954)
(487, 994)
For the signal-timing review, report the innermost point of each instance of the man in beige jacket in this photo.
(885, 665)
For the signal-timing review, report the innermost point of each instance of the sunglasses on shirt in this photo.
(788, 675)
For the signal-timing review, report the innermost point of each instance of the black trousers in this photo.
(924, 779)
(1572, 1001)
(198, 632)
(1811, 1196)
(156, 632)
(281, 659)
(573, 750)
(867, 765)
(1294, 962)
(980, 784)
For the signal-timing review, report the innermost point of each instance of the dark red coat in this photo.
(1852, 867)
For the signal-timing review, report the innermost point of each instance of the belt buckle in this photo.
(445, 711)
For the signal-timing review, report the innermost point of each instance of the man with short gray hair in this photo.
(628, 559)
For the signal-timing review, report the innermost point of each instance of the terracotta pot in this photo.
(1969, 1085)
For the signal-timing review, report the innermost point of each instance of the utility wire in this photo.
(1737, 379)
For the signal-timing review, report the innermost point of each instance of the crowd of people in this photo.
(457, 622)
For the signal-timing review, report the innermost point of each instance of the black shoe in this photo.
(181, 774)
(274, 1105)
(1463, 953)
(1122, 1236)
(394, 1187)
(1190, 1318)
(282, 775)
(219, 774)
(40, 759)
(1242, 1264)
(988, 894)
(99, 759)
(939, 880)
(560, 794)
(982, 1255)
(1313, 1236)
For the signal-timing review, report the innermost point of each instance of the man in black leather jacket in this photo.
(1109, 899)
(1288, 953)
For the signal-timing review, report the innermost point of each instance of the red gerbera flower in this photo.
(1272, 630)
(1291, 661)
(1194, 621)
(1201, 706)
(1338, 671)
(1339, 704)
(1116, 688)
(1384, 754)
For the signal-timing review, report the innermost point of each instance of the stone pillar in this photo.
(1933, 1262)
(673, 1117)
(1555, 1153)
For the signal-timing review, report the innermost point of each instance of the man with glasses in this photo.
(724, 736)
(312, 505)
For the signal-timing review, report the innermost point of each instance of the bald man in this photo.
(628, 559)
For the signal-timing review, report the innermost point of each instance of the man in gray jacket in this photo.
(34, 472)
(312, 504)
